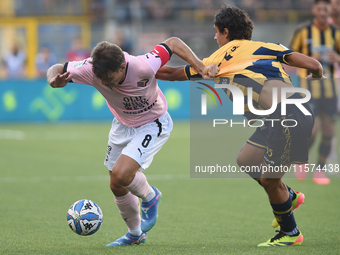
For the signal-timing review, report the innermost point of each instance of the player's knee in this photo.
(269, 184)
(121, 177)
(117, 189)
(113, 186)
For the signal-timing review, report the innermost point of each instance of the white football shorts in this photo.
(139, 143)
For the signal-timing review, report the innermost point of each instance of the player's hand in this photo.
(311, 76)
(210, 71)
(60, 80)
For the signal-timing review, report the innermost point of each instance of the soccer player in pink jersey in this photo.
(141, 125)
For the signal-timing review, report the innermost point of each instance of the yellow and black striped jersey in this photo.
(244, 64)
(308, 39)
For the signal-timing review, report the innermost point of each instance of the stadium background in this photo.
(135, 25)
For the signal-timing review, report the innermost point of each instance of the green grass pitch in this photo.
(45, 168)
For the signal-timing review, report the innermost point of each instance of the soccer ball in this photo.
(84, 217)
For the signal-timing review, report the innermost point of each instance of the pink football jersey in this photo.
(138, 99)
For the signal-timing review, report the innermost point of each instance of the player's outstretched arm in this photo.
(182, 50)
(302, 61)
(56, 78)
(168, 73)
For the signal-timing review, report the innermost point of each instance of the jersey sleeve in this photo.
(158, 56)
(81, 71)
(282, 54)
(191, 73)
(273, 51)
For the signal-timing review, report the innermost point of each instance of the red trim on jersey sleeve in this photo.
(163, 53)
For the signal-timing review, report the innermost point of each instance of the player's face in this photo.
(335, 7)
(221, 38)
(114, 77)
(322, 11)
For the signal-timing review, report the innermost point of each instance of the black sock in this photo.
(291, 192)
(285, 217)
(324, 150)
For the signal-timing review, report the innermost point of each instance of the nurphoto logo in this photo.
(238, 104)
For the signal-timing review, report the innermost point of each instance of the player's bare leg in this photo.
(123, 173)
(276, 189)
(124, 170)
(250, 155)
(127, 185)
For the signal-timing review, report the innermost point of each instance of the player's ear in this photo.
(122, 67)
(226, 32)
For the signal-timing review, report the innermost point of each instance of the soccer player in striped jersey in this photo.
(335, 13)
(141, 125)
(245, 63)
(320, 40)
(335, 20)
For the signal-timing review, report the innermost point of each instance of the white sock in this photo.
(149, 197)
(137, 231)
(129, 209)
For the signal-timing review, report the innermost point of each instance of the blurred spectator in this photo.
(307, 40)
(335, 20)
(49, 7)
(208, 8)
(15, 62)
(123, 42)
(44, 59)
(251, 7)
(97, 10)
(159, 9)
(77, 51)
(335, 12)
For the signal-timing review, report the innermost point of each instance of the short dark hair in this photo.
(106, 57)
(326, 1)
(236, 21)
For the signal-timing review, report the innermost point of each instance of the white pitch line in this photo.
(12, 134)
(7, 134)
(95, 178)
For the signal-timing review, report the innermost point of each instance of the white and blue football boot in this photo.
(150, 211)
(129, 239)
